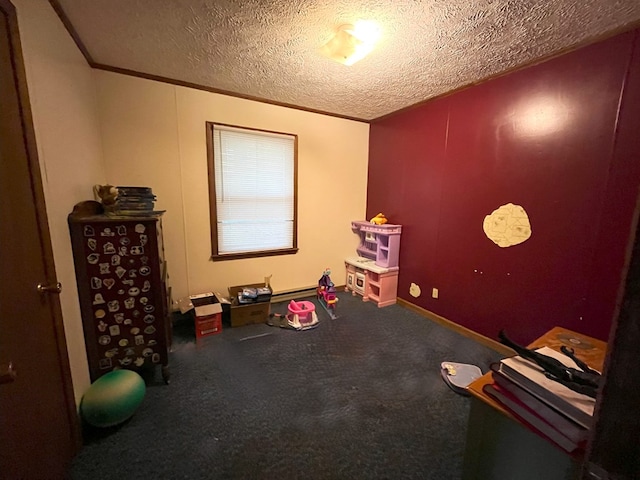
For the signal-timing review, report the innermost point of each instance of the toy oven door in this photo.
(360, 283)
(351, 280)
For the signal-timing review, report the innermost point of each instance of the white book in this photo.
(531, 377)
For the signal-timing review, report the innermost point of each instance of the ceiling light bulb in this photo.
(352, 42)
(366, 31)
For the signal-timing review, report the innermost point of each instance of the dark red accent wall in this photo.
(561, 140)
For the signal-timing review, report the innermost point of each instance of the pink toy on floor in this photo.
(302, 314)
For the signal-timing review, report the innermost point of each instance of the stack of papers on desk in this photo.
(531, 377)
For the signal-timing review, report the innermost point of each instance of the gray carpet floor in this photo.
(358, 397)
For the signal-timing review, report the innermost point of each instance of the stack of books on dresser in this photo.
(132, 201)
(543, 405)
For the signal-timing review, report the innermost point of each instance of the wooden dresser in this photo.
(121, 275)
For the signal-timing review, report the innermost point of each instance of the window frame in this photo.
(213, 207)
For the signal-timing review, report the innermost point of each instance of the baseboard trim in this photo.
(486, 341)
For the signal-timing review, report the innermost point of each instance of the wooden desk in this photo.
(499, 447)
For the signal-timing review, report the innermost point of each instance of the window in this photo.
(252, 192)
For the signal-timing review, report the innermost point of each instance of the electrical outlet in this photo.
(434, 293)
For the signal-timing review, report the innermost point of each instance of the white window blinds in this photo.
(255, 191)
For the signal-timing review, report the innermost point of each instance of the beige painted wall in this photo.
(63, 102)
(153, 135)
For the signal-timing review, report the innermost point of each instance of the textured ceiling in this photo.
(270, 49)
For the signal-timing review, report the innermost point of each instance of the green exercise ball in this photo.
(113, 398)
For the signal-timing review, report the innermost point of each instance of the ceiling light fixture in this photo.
(352, 42)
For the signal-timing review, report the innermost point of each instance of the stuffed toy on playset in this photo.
(379, 219)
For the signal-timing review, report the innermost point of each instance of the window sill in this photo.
(265, 253)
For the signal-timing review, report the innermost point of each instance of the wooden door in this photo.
(39, 425)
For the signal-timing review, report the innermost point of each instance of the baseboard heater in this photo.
(293, 294)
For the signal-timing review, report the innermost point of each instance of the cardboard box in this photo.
(208, 320)
(247, 313)
(262, 293)
(207, 313)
